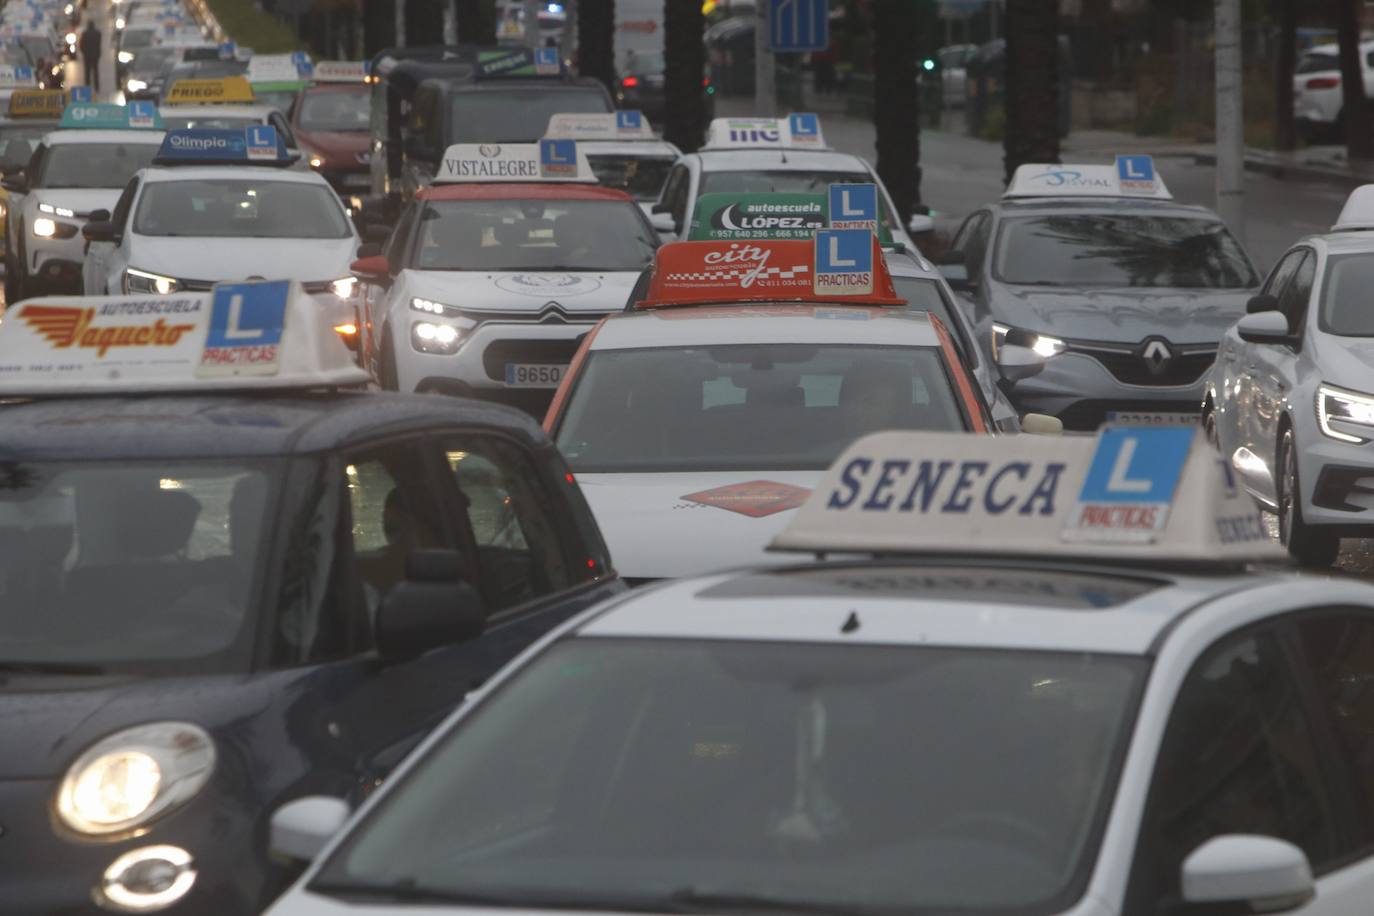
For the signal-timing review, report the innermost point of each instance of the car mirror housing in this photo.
(919, 223)
(15, 182)
(663, 222)
(371, 266)
(431, 607)
(1261, 303)
(1018, 363)
(100, 231)
(301, 828)
(98, 216)
(1253, 874)
(1264, 328)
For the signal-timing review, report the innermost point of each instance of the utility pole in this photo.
(1230, 119)
(532, 36)
(765, 67)
(400, 23)
(450, 23)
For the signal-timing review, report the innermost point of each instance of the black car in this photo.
(640, 85)
(211, 604)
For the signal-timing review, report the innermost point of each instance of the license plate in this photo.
(1139, 418)
(534, 375)
(357, 180)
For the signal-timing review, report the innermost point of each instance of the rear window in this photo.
(639, 176)
(515, 115)
(1315, 62)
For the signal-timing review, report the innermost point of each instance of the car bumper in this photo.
(54, 265)
(1337, 480)
(1081, 392)
(355, 181)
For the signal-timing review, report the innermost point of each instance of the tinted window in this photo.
(93, 165)
(533, 235)
(223, 208)
(639, 176)
(1293, 301)
(703, 408)
(514, 115)
(335, 109)
(1317, 61)
(1345, 295)
(614, 774)
(972, 240)
(1109, 250)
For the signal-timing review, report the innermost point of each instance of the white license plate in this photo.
(1137, 418)
(357, 180)
(534, 375)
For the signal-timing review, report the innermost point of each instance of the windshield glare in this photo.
(1345, 295)
(604, 235)
(224, 208)
(1116, 250)
(702, 408)
(515, 115)
(222, 122)
(630, 774)
(639, 176)
(335, 109)
(93, 165)
(110, 564)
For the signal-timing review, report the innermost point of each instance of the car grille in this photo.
(204, 286)
(500, 352)
(1127, 366)
(1089, 415)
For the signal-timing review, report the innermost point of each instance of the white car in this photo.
(760, 156)
(1060, 730)
(1317, 101)
(1290, 399)
(495, 272)
(73, 173)
(185, 224)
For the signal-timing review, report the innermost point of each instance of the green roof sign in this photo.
(724, 216)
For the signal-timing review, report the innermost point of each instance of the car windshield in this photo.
(335, 109)
(133, 39)
(645, 62)
(786, 182)
(641, 177)
(18, 141)
(240, 208)
(1117, 250)
(676, 776)
(111, 564)
(150, 61)
(1345, 295)
(224, 122)
(606, 235)
(93, 165)
(515, 115)
(706, 408)
(280, 99)
(1317, 61)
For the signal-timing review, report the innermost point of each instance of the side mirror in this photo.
(920, 222)
(371, 268)
(663, 222)
(1252, 874)
(956, 275)
(369, 250)
(377, 233)
(16, 182)
(98, 216)
(1261, 303)
(661, 207)
(1039, 424)
(1264, 328)
(431, 607)
(301, 828)
(1018, 363)
(100, 231)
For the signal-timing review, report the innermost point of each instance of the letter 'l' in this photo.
(1119, 482)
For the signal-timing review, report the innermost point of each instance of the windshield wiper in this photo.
(692, 900)
(409, 889)
(36, 667)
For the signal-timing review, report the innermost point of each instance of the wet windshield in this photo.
(335, 109)
(93, 165)
(701, 408)
(515, 115)
(1112, 250)
(604, 235)
(112, 564)
(222, 208)
(645, 775)
(641, 177)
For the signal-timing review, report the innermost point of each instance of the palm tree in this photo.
(1032, 84)
(685, 60)
(1359, 143)
(476, 21)
(896, 111)
(1285, 128)
(596, 40)
(379, 26)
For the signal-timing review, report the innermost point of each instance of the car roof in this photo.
(1350, 241)
(189, 426)
(778, 160)
(655, 148)
(260, 172)
(78, 135)
(972, 602)
(798, 323)
(910, 264)
(1089, 205)
(548, 190)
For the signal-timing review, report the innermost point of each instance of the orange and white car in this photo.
(699, 418)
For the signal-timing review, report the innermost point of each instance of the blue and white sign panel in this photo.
(853, 206)
(546, 62)
(629, 119)
(798, 25)
(1131, 483)
(262, 142)
(201, 144)
(81, 95)
(245, 330)
(143, 114)
(804, 129)
(558, 158)
(844, 262)
(1136, 174)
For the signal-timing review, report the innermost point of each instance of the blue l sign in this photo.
(1136, 173)
(854, 206)
(81, 95)
(798, 25)
(844, 262)
(558, 158)
(1137, 465)
(628, 120)
(245, 333)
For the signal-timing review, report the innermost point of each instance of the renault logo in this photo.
(1157, 356)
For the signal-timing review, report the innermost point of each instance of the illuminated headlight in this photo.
(126, 57)
(135, 85)
(147, 880)
(1345, 415)
(56, 211)
(119, 25)
(69, 9)
(344, 287)
(44, 228)
(1043, 344)
(131, 777)
(71, 39)
(432, 307)
(317, 162)
(4, 210)
(141, 281)
(430, 337)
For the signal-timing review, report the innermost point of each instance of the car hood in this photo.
(335, 142)
(307, 260)
(529, 291)
(1346, 362)
(682, 524)
(1121, 315)
(80, 200)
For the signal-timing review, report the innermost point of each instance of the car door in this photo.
(1273, 366)
(95, 271)
(1243, 427)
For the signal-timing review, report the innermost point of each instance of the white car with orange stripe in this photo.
(697, 420)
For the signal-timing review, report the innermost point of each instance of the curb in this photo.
(1301, 172)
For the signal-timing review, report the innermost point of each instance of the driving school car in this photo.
(227, 103)
(1040, 680)
(230, 577)
(497, 270)
(622, 149)
(26, 121)
(700, 418)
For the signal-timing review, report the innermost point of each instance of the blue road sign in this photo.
(853, 206)
(798, 25)
(247, 314)
(300, 58)
(23, 72)
(1137, 465)
(81, 95)
(546, 60)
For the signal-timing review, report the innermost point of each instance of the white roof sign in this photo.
(615, 125)
(1129, 494)
(273, 68)
(1358, 212)
(1130, 176)
(796, 131)
(340, 71)
(547, 160)
(266, 334)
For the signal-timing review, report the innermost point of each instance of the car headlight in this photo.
(141, 281)
(120, 23)
(1344, 415)
(432, 337)
(135, 85)
(56, 211)
(126, 57)
(1043, 344)
(432, 307)
(344, 287)
(131, 777)
(316, 161)
(44, 228)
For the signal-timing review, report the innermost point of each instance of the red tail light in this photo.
(1324, 82)
(706, 81)
(630, 82)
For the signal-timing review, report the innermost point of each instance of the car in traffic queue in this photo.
(27, 119)
(1318, 102)
(224, 103)
(496, 272)
(623, 151)
(17, 78)
(698, 420)
(1289, 402)
(231, 576)
(277, 79)
(332, 122)
(639, 86)
(1031, 680)
(1124, 291)
(75, 174)
(762, 156)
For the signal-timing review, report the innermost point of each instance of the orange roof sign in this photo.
(838, 265)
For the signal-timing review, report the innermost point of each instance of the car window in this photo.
(924, 295)
(675, 194)
(1237, 757)
(224, 208)
(639, 176)
(1293, 301)
(972, 240)
(515, 115)
(1318, 61)
(120, 215)
(1345, 295)
(1279, 276)
(343, 110)
(520, 555)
